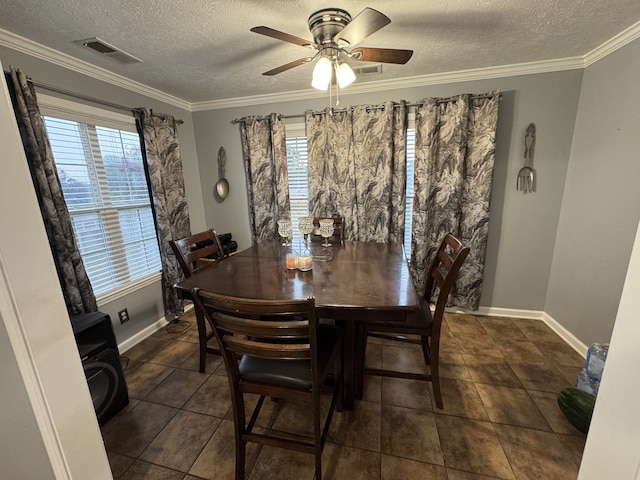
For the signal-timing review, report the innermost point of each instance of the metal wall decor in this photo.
(222, 185)
(527, 175)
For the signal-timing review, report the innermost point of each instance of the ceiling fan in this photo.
(335, 34)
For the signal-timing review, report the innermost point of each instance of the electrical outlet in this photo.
(123, 315)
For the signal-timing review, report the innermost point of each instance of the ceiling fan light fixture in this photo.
(322, 74)
(344, 75)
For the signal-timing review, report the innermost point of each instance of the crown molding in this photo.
(37, 50)
(626, 36)
(253, 100)
(546, 66)
(48, 54)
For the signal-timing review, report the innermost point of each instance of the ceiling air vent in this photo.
(368, 70)
(107, 50)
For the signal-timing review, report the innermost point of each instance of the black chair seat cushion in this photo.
(295, 373)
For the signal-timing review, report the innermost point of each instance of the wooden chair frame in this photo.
(442, 275)
(192, 259)
(278, 331)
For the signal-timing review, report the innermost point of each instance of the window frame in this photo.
(78, 112)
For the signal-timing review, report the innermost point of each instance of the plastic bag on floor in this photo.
(596, 357)
(586, 383)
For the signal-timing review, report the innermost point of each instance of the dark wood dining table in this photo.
(361, 281)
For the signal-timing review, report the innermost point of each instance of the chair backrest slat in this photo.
(262, 328)
(280, 351)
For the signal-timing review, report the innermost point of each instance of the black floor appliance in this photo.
(101, 362)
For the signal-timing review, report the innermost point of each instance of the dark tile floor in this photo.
(500, 419)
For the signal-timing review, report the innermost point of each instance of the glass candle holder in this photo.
(305, 262)
(291, 261)
(326, 230)
(305, 225)
(285, 231)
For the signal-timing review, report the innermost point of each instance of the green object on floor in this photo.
(577, 406)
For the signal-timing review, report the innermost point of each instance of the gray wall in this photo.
(145, 306)
(523, 227)
(601, 204)
(22, 451)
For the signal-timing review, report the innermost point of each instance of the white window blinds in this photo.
(411, 138)
(298, 171)
(104, 184)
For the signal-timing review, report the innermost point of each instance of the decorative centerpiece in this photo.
(305, 261)
(305, 225)
(285, 231)
(326, 230)
(291, 261)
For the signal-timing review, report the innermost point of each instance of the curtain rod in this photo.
(342, 110)
(69, 93)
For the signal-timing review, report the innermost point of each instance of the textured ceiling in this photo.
(202, 50)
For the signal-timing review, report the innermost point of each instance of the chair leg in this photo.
(202, 339)
(424, 341)
(318, 455)
(361, 347)
(241, 446)
(339, 384)
(435, 382)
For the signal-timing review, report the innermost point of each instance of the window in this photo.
(105, 188)
(411, 139)
(298, 171)
(298, 168)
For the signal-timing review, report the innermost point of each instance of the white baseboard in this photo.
(553, 324)
(135, 339)
(569, 338)
(566, 335)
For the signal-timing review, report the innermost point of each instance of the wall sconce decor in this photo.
(222, 185)
(527, 175)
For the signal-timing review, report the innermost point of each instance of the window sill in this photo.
(128, 289)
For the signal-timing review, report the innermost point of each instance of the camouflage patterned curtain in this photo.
(158, 134)
(357, 169)
(76, 288)
(264, 150)
(454, 158)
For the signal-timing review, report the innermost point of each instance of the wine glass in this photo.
(285, 231)
(305, 225)
(326, 230)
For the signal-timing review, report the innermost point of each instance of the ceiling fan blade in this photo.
(383, 55)
(285, 37)
(368, 21)
(288, 66)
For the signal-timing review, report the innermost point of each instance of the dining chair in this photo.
(442, 275)
(194, 253)
(289, 356)
(338, 229)
(197, 251)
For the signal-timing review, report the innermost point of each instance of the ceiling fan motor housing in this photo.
(325, 24)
